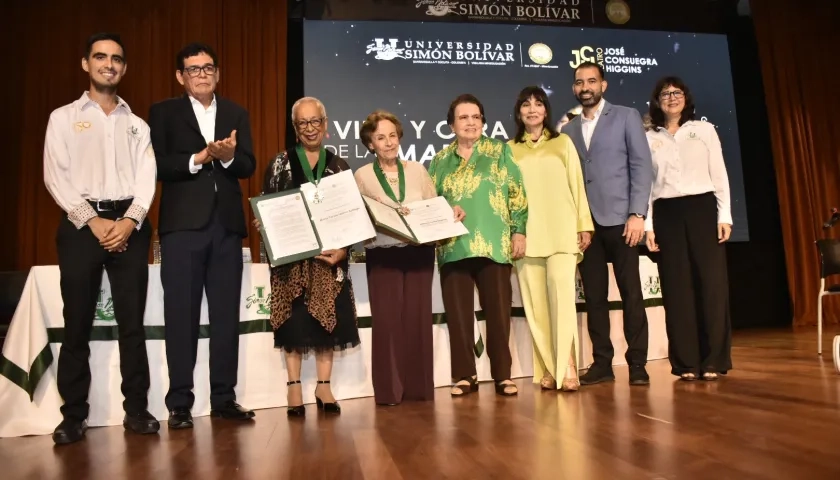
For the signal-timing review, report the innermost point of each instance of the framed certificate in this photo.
(301, 223)
(286, 227)
(426, 220)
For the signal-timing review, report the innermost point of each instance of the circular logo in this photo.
(540, 53)
(618, 11)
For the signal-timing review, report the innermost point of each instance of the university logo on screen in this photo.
(612, 59)
(553, 11)
(439, 52)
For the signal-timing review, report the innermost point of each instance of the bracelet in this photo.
(129, 218)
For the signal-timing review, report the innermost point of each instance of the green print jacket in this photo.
(488, 186)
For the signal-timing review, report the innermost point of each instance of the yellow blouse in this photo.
(557, 205)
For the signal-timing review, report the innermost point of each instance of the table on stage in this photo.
(29, 399)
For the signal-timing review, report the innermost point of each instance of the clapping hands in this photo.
(223, 149)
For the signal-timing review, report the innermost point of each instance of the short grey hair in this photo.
(308, 100)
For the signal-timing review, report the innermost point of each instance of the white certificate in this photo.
(287, 232)
(340, 217)
(433, 219)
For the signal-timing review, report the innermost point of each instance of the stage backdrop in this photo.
(692, 15)
(415, 70)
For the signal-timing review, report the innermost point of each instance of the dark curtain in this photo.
(44, 42)
(797, 43)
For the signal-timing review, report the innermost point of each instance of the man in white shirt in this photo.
(99, 167)
(203, 148)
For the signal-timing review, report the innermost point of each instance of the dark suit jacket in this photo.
(187, 199)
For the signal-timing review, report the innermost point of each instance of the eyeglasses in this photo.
(303, 124)
(194, 71)
(672, 93)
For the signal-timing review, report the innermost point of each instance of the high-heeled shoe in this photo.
(326, 407)
(296, 411)
(548, 382)
(571, 383)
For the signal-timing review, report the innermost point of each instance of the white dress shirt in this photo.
(207, 124)
(588, 126)
(90, 156)
(688, 163)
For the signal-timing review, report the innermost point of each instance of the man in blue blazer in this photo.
(618, 172)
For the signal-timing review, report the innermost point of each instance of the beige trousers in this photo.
(548, 293)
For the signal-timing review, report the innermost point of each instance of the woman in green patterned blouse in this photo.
(479, 174)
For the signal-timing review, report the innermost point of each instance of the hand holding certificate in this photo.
(424, 221)
(301, 223)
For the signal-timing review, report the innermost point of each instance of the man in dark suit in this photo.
(618, 173)
(203, 147)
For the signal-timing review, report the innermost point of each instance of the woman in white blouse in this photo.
(400, 273)
(689, 221)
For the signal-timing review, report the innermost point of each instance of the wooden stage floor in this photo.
(776, 416)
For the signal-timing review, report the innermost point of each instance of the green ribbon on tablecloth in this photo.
(28, 381)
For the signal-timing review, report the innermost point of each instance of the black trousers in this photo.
(81, 261)
(194, 262)
(608, 245)
(695, 285)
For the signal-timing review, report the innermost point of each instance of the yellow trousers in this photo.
(548, 293)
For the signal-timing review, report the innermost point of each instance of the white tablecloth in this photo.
(29, 400)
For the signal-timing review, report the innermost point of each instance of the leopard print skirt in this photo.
(313, 307)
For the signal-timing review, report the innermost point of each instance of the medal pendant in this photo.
(318, 196)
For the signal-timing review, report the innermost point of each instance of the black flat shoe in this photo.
(232, 411)
(298, 410)
(327, 407)
(180, 418)
(638, 375)
(596, 374)
(141, 422)
(69, 431)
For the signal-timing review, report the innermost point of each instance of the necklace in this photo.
(386, 184)
(307, 170)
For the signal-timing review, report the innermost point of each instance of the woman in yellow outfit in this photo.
(559, 230)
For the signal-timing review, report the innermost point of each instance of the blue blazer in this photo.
(617, 168)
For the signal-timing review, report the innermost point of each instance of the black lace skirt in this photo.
(303, 334)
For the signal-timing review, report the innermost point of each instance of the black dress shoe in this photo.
(142, 422)
(232, 411)
(638, 375)
(69, 431)
(327, 407)
(180, 418)
(597, 374)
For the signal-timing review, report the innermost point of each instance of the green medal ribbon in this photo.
(307, 169)
(380, 175)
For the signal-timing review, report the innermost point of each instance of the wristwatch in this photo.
(638, 215)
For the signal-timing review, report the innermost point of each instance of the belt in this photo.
(110, 205)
